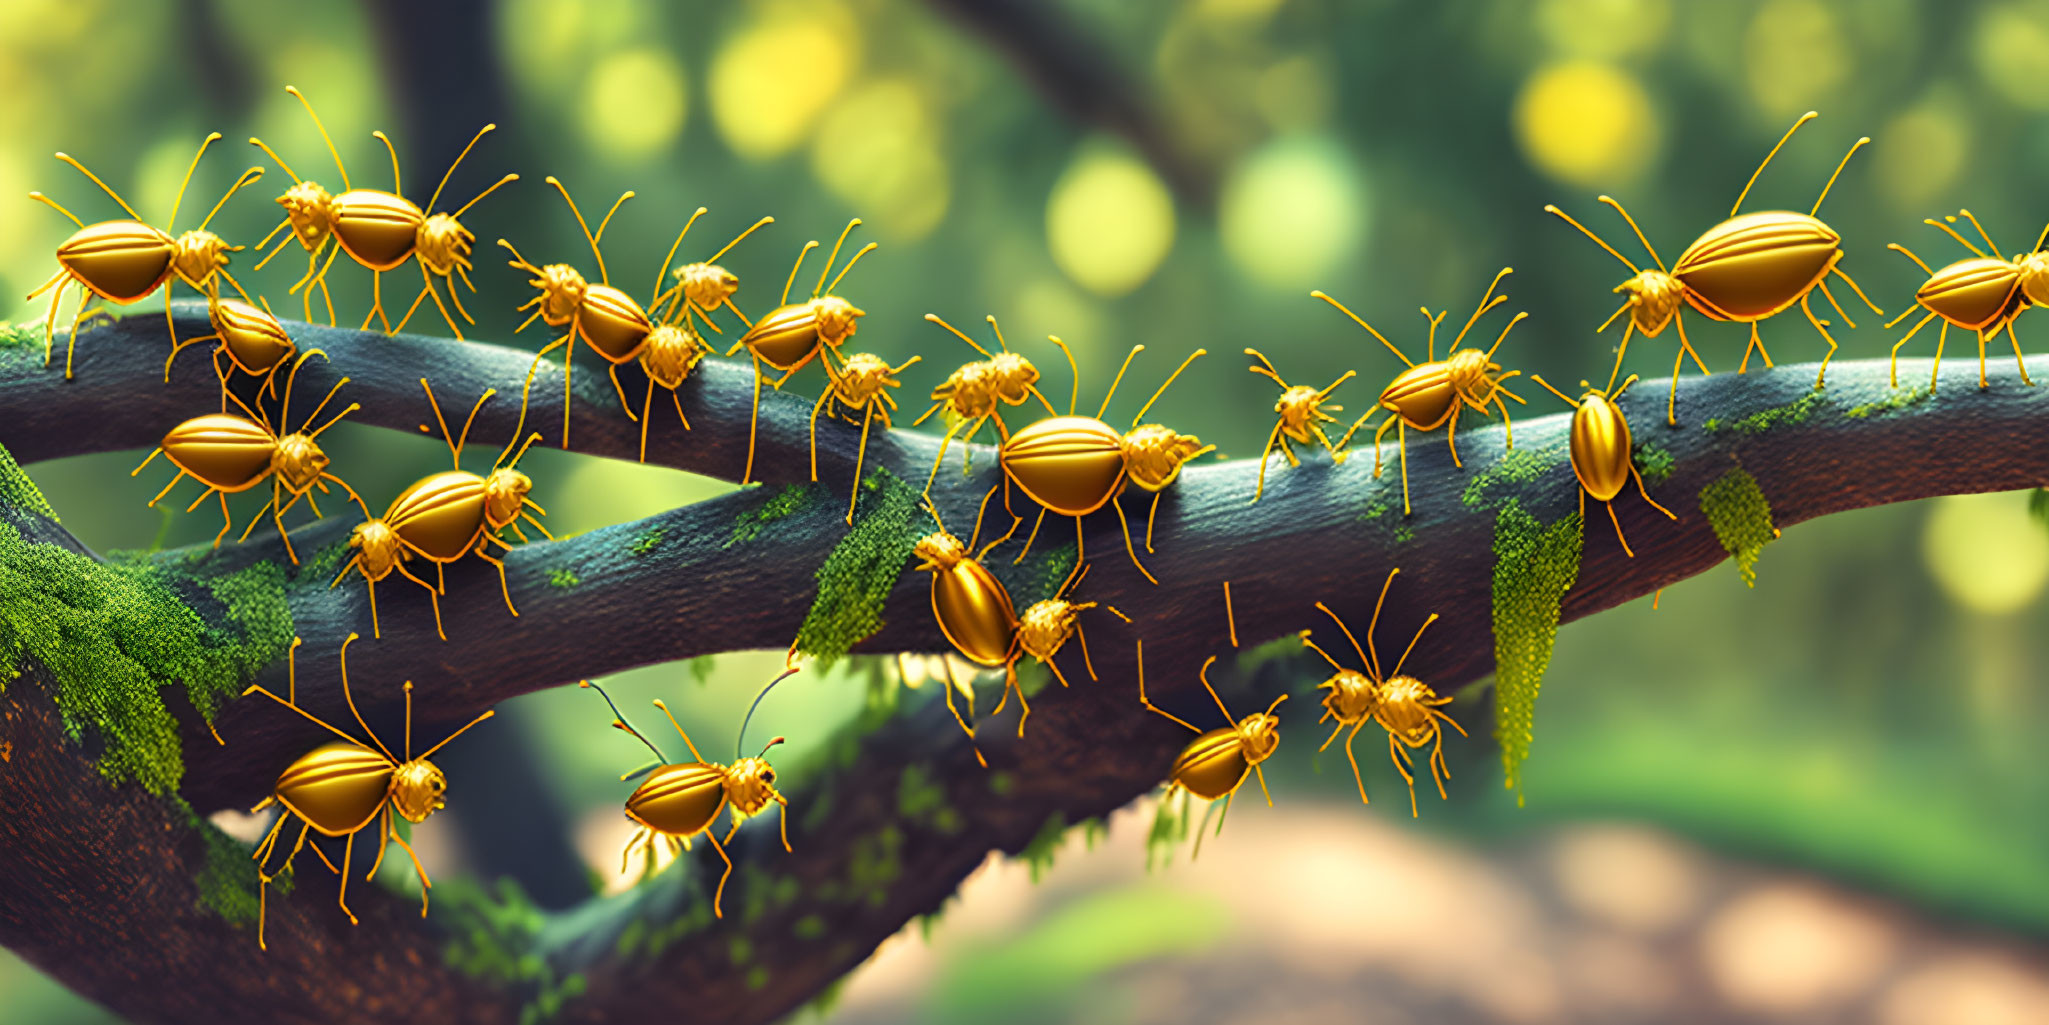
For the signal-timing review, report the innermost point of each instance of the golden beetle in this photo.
(126, 261)
(703, 286)
(252, 339)
(972, 607)
(1430, 394)
(444, 517)
(1602, 452)
(680, 800)
(1403, 706)
(1214, 765)
(1745, 269)
(380, 230)
(793, 334)
(230, 454)
(671, 353)
(341, 787)
(862, 384)
(1302, 416)
(1074, 465)
(1984, 292)
(975, 393)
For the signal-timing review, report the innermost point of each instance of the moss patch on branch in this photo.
(1654, 462)
(1795, 412)
(1895, 400)
(856, 578)
(1534, 566)
(1742, 518)
(493, 940)
(227, 878)
(17, 490)
(1518, 467)
(112, 636)
(792, 499)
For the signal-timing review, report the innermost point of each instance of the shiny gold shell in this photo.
(338, 786)
(440, 516)
(679, 800)
(1971, 294)
(1422, 395)
(378, 228)
(1601, 447)
(1754, 265)
(224, 451)
(787, 338)
(1212, 765)
(1072, 465)
(121, 261)
(613, 323)
(254, 340)
(671, 353)
(974, 612)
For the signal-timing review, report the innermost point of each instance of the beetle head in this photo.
(443, 244)
(940, 551)
(970, 392)
(377, 548)
(298, 461)
(671, 353)
(750, 783)
(1405, 709)
(418, 789)
(310, 210)
(706, 285)
(863, 378)
(1260, 733)
(2035, 276)
(1014, 377)
(505, 492)
(1352, 696)
(197, 254)
(1654, 298)
(1154, 453)
(835, 318)
(1047, 625)
(562, 288)
(1299, 407)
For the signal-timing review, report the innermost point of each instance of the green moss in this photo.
(1001, 783)
(1518, 467)
(822, 1005)
(1895, 400)
(1653, 462)
(1038, 852)
(21, 336)
(494, 940)
(1742, 518)
(645, 541)
(757, 977)
(227, 878)
(857, 577)
(874, 863)
(18, 491)
(1534, 566)
(1053, 571)
(1403, 533)
(790, 500)
(1795, 412)
(809, 928)
(920, 799)
(112, 636)
(740, 949)
(564, 578)
(1170, 830)
(321, 566)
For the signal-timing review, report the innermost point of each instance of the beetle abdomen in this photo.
(440, 516)
(974, 612)
(1600, 447)
(1971, 293)
(254, 339)
(1422, 395)
(338, 786)
(225, 451)
(121, 261)
(680, 800)
(1212, 765)
(787, 338)
(613, 323)
(377, 228)
(1752, 266)
(1072, 465)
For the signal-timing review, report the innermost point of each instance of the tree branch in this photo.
(866, 860)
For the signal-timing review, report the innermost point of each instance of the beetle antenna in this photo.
(429, 753)
(1412, 641)
(834, 258)
(1569, 400)
(285, 415)
(620, 721)
(1588, 232)
(678, 244)
(1074, 395)
(304, 102)
(999, 333)
(616, 204)
(772, 741)
(351, 699)
(1512, 322)
(1163, 385)
(1619, 311)
(934, 318)
(194, 166)
(739, 742)
(66, 157)
(587, 236)
(1854, 147)
(1631, 221)
(1204, 674)
(1804, 118)
(247, 177)
(282, 166)
(1356, 319)
(1952, 234)
(463, 438)
(450, 173)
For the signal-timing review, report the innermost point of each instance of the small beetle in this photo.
(1403, 705)
(1215, 763)
(341, 787)
(1430, 394)
(972, 393)
(671, 353)
(862, 384)
(380, 230)
(1745, 269)
(679, 801)
(792, 334)
(703, 286)
(1602, 452)
(446, 516)
(972, 607)
(252, 339)
(1075, 465)
(230, 454)
(125, 261)
(1983, 292)
(1302, 416)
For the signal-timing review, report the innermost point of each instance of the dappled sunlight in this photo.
(1790, 948)
(772, 77)
(1109, 221)
(1586, 123)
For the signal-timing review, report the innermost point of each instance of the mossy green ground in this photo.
(1534, 566)
(1795, 412)
(1741, 517)
(1518, 467)
(564, 578)
(492, 939)
(791, 500)
(17, 490)
(113, 635)
(1895, 400)
(857, 576)
(1654, 463)
(227, 878)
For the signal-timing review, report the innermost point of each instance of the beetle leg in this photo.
(1258, 488)
(720, 893)
(944, 441)
(1612, 518)
(426, 884)
(384, 835)
(678, 399)
(816, 408)
(348, 851)
(1647, 495)
(433, 597)
(1029, 538)
(1024, 707)
(1402, 434)
(859, 455)
(1941, 338)
(1395, 754)
(1838, 272)
(1126, 524)
(1831, 297)
(957, 717)
(84, 299)
(1451, 432)
(503, 587)
(753, 422)
(2015, 339)
(1982, 383)
(647, 404)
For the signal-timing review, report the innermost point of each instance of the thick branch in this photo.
(1321, 532)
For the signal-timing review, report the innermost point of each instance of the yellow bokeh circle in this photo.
(773, 78)
(1109, 222)
(2012, 49)
(1986, 552)
(1586, 123)
(876, 149)
(634, 103)
(1291, 211)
